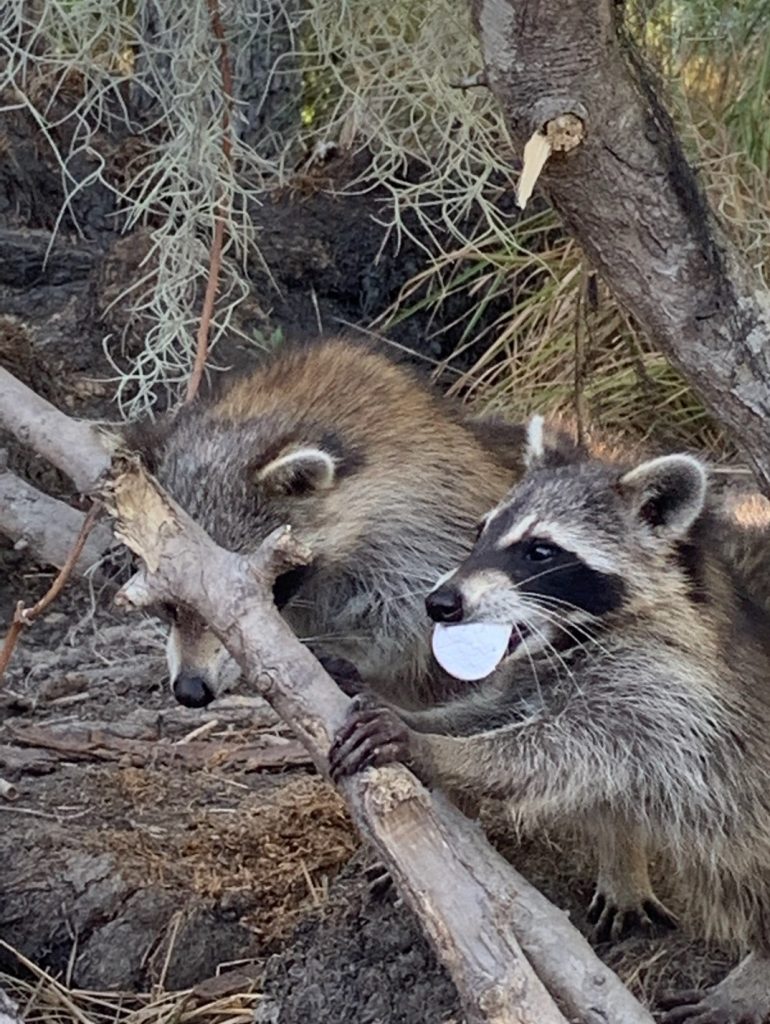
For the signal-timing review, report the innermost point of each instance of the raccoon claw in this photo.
(707, 1007)
(613, 923)
(371, 736)
(379, 880)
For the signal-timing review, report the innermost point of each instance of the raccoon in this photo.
(637, 690)
(382, 478)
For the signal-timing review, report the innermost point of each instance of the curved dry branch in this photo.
(469, 901)
(73, 446)
(628, 195)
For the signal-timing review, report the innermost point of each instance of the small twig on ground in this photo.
(26, 616)
(215, 257)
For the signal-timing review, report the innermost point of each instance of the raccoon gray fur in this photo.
(637, 690)
(381, 477)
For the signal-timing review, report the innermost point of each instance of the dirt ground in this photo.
(132, 861)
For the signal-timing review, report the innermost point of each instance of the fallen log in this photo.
(83, 742)
(466, 897)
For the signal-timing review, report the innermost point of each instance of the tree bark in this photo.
(628, 195)
(466, 897)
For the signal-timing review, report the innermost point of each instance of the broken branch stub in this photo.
(559, 134)
(442, 864)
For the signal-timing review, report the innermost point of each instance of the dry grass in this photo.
(284, 849)
(42, 998)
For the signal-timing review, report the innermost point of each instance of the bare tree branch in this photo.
(627, 194)
(24, 616)
(73, 446)
(468, 899)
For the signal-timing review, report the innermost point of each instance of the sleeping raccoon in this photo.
(637, 688)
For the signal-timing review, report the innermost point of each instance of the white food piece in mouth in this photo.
(470, 650)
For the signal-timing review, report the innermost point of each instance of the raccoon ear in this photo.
(548, 445)
(668, 493)
(298, 472)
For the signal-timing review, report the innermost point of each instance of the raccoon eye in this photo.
(541, 551)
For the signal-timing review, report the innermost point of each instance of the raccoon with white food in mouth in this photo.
(636, 689)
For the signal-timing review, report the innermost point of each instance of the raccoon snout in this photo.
(192, 691)
(445, 604)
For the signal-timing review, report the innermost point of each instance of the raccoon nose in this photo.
(192, 691)
(445, 605)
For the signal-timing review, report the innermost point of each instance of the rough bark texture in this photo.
(461, 890)
(630, 198)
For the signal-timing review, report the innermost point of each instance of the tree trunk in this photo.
(628, 195)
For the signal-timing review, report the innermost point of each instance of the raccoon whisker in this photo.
(567, 605)
(578, 632)
(522, 641)
(550, 652)
(321, 637)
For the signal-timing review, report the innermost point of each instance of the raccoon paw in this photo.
(371, 736)
(708, 1006)
(613, 922)
(742, 998)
